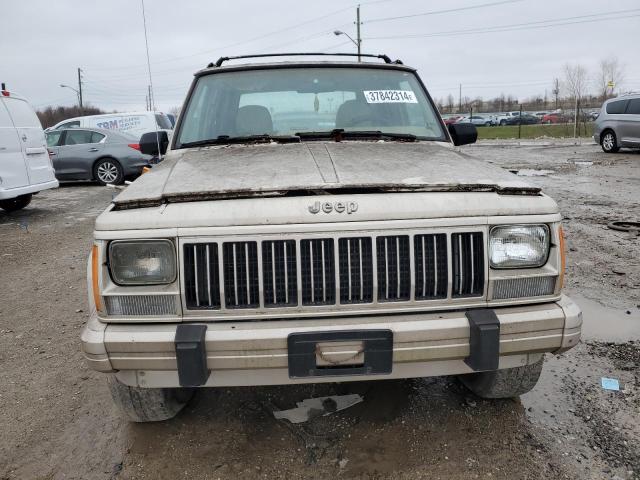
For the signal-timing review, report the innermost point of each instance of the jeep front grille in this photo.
(307, 273)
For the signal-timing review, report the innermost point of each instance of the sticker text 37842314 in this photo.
(390, 96)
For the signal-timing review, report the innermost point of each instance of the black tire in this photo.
(503, 123)
(108, 170)
(18, 203)
(148, 404)
(488, 124)
(507, 383)
(609, 142)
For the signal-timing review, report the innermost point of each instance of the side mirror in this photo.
(463, 133)
(149, 143)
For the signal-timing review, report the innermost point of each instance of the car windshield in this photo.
(288, 101)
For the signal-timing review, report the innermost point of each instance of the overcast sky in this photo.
(491, 48)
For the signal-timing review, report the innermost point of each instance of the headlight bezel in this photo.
(548, 244)
(172, 257)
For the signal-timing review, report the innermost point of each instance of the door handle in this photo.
(93, 149)
(24, 137)
(52, 153)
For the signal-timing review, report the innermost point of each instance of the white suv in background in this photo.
(25, 167)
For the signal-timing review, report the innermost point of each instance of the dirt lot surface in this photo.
(57, 420)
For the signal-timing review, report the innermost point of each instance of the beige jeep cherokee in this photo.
(313, 222)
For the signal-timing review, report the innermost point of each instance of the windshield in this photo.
(287, 101)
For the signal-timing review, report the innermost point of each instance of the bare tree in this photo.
(610, 75)
(451, 103)
(575, 79)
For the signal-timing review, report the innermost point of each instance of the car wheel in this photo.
(609, 143)
(148, 404)
(507, 383)
(18, 203)
(488, 124)
(108, 170)
(502, 123)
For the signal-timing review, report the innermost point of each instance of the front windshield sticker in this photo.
(390, 96)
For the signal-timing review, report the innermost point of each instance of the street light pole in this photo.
(80, 88)
(75, 90)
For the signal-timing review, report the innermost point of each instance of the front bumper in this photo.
(255, 353)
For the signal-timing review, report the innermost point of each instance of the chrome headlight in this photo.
(518, 246)
(142, 262)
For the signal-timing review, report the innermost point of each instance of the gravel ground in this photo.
(57, 420)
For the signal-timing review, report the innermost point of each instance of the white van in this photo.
(133, 123)
(25, 166)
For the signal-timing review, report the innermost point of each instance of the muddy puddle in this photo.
(608, 324)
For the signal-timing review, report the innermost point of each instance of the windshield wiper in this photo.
(227, 140)
(339, 134)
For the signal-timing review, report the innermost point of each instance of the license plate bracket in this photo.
(377, 349)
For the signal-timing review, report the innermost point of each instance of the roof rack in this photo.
(386, 59)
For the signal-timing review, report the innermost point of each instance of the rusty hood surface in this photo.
(244, 171)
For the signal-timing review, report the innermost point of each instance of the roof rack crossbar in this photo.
(221, 60)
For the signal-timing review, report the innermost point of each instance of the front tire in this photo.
(148, 404)
(507, 383)
(609, 143)
(108, 170)
(14, 204)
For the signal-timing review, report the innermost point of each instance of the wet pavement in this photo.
(58, 421)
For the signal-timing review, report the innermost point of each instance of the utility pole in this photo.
(80, 89)
(556, 91)
(460, 99)
(359, 38)
(150, 98)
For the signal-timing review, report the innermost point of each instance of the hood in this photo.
(243, 171)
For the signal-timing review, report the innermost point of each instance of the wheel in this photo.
(148, 404)
(108, 170)
(506, 383)
(608, 142)
(18, 203)
(488, 124)
(503, 123)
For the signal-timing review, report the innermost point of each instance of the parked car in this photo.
(476, 120)
(25, 166)
(258, 254)
(133, 123)
(524, 119)
(449, 119)
(555, 118)
(618, 124)
(503, 117)
(105, 156)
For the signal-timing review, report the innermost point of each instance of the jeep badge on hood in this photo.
(338, 207)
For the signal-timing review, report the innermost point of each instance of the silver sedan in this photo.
(95, 154)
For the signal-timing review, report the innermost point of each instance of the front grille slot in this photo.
(240, 268)
(430, 253)
(279, 273)
(201, 278)
(468, 264)
(317, 267)
(394, 274)
(356, 270)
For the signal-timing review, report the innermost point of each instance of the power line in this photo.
(438, 12)
(517, 26)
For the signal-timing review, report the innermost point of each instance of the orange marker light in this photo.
(563, 255)
(95, 271)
